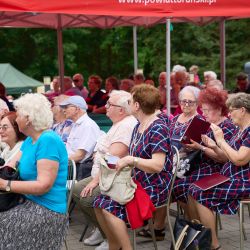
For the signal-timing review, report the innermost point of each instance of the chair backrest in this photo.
(176, 165)
(71, 179)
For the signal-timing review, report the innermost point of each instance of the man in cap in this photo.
(83, 135)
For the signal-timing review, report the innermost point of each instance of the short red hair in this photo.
(215, 98)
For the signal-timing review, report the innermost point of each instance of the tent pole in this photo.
(168, 55)
(60, 51)
(222, 52)
(135, 49)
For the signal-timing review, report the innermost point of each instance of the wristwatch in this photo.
(7, 188)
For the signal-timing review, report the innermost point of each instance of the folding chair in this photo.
(242, 231)
(71, 179)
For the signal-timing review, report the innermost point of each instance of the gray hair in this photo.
(239, 100)
(37, 108)
(123, 99)
(190, 89)
(212, 74)
(178, 67)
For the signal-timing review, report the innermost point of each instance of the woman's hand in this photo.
(208, 142)
(193, 145)
(218, 133)
(124, 162)
(89, 189)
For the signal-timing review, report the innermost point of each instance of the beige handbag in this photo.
(118, 186)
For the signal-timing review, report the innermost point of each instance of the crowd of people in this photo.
(44, 132)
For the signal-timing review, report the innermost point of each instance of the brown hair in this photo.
(147, 96)
(11, 116)
(97, 79)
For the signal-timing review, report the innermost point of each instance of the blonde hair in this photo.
(37, 108)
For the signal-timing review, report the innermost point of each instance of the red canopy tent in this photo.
(61, 14)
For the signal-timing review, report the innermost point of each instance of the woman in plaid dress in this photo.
(225, 198)
(151, 159)
(213, 103)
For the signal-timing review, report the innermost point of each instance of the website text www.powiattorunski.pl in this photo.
(146, 2)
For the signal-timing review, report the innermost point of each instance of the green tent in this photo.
(15, 81)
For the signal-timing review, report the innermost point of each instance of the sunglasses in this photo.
(76, 80)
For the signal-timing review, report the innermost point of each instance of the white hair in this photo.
(123, 98)
(212, 74)
(190, 89)
(178, 67)
(37, 108)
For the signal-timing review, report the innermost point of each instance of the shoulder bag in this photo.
(118, 186)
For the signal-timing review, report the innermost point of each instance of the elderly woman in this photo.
(213, 103)
(224, 198)
(115, 142)
(188, 99)
(10, 135)
(151, 159)
(41, 220)
(62, 126)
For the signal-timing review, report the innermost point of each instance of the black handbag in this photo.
(9, 200)
(189, 163)
(191, 235)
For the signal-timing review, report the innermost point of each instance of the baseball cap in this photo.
(76, 101)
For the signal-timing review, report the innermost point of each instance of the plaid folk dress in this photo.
(154, 139)
(225, 198)
(207, 167)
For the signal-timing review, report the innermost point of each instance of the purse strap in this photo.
(181, 237)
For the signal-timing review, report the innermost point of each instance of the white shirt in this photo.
(83, 135)
(119, 132)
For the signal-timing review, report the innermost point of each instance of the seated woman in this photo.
(111, 84)
(151, 157)
(62, 126)
(95, 95)
(213, 103)
(188, 99)
(225, 198)
(10, 135)
(41, 221)
(115, 142)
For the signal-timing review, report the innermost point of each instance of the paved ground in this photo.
(229, 236)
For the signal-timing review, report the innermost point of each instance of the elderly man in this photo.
(78, 81)
(83, 135)
(115, 142)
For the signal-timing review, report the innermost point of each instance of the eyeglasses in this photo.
(76, 80)
(232, 109)
(187, 102)
(108, 105)
(4, 127)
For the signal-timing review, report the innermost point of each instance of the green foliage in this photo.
(110, 52)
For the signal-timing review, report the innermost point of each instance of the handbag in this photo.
(189, 163)
(191, 235)
(118, 186)
(9, 200)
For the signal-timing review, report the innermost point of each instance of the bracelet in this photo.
(135, 161)
(203, 149)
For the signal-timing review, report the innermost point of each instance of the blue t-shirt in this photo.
(48, 146)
